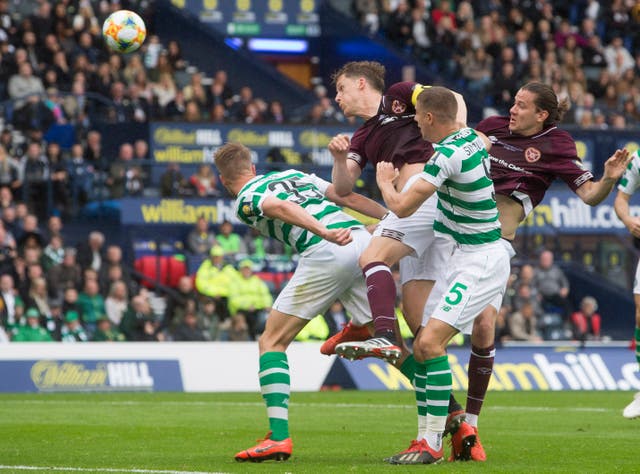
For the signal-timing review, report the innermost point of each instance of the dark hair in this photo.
(372, 71)
(439, 101)
(546, 99)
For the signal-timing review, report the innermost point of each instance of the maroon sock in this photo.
(480, 369)
(381, 292)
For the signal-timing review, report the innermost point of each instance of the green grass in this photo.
(340, 432)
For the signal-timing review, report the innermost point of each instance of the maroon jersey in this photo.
(524, 167)
(391, 135)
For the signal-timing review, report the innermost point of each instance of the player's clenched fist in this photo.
(339, 147)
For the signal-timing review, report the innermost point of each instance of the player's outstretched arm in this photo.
(357, 202)
(345, 172)
(621, 206)
(593, 193)
(406, 203)
(294, 214)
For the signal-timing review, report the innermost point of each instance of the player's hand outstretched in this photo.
(386, 172)
(616, 164)
(339, 147)
(338, 236)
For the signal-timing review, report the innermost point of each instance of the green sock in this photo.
(275, 385)
(638, 345)
(420, 383)
(438, 389)
(408, 367)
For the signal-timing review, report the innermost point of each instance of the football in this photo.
(124, 31)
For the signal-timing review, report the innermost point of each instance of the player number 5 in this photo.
(455, 293)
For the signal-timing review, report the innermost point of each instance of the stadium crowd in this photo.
(587, 50)
(53, 70)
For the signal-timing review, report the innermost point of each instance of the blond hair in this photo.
(233, 160)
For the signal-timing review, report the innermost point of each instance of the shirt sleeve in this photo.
(630, 180)
(440, 167)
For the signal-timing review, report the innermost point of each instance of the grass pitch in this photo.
(341, 432)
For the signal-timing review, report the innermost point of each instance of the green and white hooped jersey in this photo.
(630, 180)
(307, 190)
(467, 210)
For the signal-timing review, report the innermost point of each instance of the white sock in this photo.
(471, 419)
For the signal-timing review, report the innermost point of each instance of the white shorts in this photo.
(328, 273)
(430, 254)
(475, 278)
(411, 230)
(636, 281)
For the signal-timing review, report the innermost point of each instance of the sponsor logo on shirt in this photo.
(532, 154)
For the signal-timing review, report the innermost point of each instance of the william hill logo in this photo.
(49, 375)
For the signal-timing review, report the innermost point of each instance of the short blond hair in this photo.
(233, 160)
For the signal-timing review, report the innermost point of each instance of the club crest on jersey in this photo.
(398, 107)
(246, 210)
(532, 154)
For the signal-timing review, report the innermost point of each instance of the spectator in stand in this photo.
(164, 91)
(65, 274)
(208, 315)
(204, 181)
(9, 170)
(116, 302)
(258, 246)
(178, 302)
(174, 56)
(196, 91)
(70, 301)
(125, 178)
(192, 112)
(107, 332)
(523, 324)
(139, 323)
(201, 238)
(336, 318)
(81, 176)
(11, 305)
(72, 330)
(23, 84)
(216, 97)
(54, 227)
(91, 253)
(113, 269)
(59, 179)
(36, 173)
(214, 279)
(140, 149)
(176, 108)
(220, 78)
(38, 296)
(190, 328)
(276, 113)
(250, 296)
(133, 67)
(31, 331)
(53, 253)
(93, 150)
(238, 107)
(552, 285)
(27, 230)
(173, 183)
(586, 323)
(229, 240)
(91, 304)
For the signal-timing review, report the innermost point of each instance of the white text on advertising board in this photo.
(573, 371)
(49, 375)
